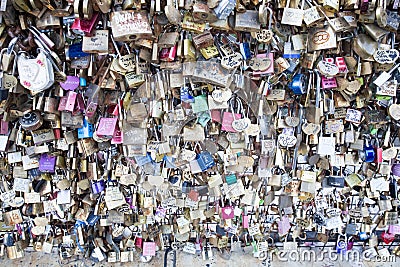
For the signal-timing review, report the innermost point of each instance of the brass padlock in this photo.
(48, 20)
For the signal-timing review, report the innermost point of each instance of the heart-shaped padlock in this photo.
(36, 74)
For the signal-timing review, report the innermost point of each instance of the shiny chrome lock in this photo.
(375, 32)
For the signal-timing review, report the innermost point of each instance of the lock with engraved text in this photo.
(265, 35)
(312, 15)
(293, 16)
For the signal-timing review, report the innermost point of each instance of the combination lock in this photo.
(31, 121)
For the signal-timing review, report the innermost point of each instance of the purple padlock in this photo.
(71, 83)
(396, 169)
(350, 244)
(98, 186)
(47, 163)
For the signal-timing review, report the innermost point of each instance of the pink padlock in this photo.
(394, 229)
(83, 26)
(63, 103)
(271, 67)
(378, 152)
(71, 98)
(3, 127)
(328, 83)
(168, 54)
(106, 127)
(245, 221)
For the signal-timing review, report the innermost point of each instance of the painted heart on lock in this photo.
(17, 202)
(187, 155)
(35, 74)
(71, 83)
(221, 95)
(241, 124)
(252, 130)
(227, 213)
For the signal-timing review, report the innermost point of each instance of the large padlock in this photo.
(130, 25)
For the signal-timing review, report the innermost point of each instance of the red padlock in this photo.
(139, 242)
(387, 238)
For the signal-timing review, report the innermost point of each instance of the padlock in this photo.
(247, 21)
(293, 16)
(202, 12)
(130, 25)
(224, 8)
(311, 15)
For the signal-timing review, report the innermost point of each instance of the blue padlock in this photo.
(186, 96)
(369, 151)
(363, 236)
(75, 51)
(86, 131)
(245, 50)
(341, 244)
(297, 85)
(82, 82)
(205, 160)
(98, 186)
